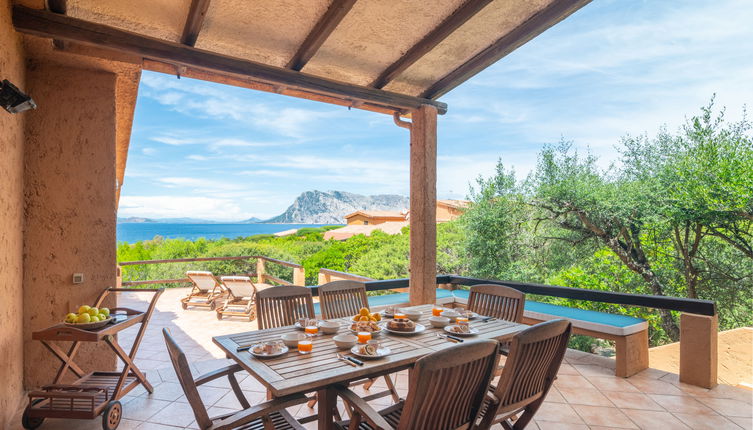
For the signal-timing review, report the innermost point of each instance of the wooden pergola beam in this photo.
(196, 14)
(460, 16)
(542, 20)
(47, 24)
(58, 6)
(319, 34)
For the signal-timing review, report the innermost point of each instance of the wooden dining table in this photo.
(294, 373)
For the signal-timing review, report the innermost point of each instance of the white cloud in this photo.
(148, 151)
(170, 206)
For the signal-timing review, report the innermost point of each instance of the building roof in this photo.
(377, 214)
(388, 56)
(390, 227)
(458, 204)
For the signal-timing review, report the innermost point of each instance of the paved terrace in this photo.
(586, 395)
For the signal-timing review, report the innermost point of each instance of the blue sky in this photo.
(615, 67)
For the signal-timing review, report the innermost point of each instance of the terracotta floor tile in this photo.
(611, 383)
(555, 396)
(655, 420)
(209, 395)
(558, 412)
(142, 408)
(603, 416)
(550, 425)
(593, 370)
(707, 422)
(155, 426)
(650, 374)
(175, 414)
(632, 401)
(655, 386)
(584, 396)
(745, 423)
(169, 391)
(728, 407)
(572, 381)
(682, 404)
(567, 369)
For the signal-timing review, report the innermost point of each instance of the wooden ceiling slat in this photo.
(459, 17)
(542, 20)
(319, 34)
(194, 21)
(46, 24)
(57, 6)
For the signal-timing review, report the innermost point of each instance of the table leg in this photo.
(327, 405)
(67, 360)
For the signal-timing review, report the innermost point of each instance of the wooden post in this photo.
(299, 276)
(698, 349)
(423, 205)
(260, 270)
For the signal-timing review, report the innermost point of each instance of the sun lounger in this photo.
(206, 290)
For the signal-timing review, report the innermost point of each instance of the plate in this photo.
(472, 316)
(419, 329)
(91, 326)
(282, 352)
(381, 352)
(448, 329)
(372, 332)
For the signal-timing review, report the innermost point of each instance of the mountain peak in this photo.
(330, 207)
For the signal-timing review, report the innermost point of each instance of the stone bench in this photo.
(630, 334)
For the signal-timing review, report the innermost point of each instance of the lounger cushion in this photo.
(602, 322)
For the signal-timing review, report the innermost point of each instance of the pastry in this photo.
(401, 324)
(461, 328)
(369, 326)
(367, 350)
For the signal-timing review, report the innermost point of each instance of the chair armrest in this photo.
(258, 411)
(362, 408)
(211, 376)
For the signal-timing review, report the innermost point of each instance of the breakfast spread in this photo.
(366, 321)
(401, 324)
(460, 329)
(267, 348)
(367, 349)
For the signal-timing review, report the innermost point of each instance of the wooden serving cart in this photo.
(95, 393)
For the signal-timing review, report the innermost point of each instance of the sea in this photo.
(135, 232)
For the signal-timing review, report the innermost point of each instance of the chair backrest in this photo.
(281, 306)
(205, 281)
(182, 370)
(497, 301)
(341, 299)
(239, 286)
(535, 357)
(447, 388)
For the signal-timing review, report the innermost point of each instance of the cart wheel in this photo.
(219, 315)
(111, 415)
(212, 305)
(184, 305)
(28, 422)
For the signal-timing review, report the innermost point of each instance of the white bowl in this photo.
(329, 327)
(450, 314)
(345, 340)
(439, 322)
(413, 315)
(291, 339)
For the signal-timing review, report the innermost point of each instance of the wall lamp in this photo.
(14, 100)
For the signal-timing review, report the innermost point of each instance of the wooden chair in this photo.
(500, 302)
(341, 299)
(497, 301)
(535, 357)
(446, 391)
(205, 291)
(241, 296)
(281, 306)
(268, 415)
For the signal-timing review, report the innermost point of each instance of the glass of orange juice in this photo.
(399, 313)
(437, 311)
(364, 336)
(305, 346)
(311, 329)
(461, 320)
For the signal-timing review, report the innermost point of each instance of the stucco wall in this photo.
(69, 184)
(11, 229)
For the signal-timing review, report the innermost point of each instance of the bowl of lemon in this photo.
(89, 318)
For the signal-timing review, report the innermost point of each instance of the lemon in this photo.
(102, 316)
(94, 318)
(104, 311)
(93, 311)
(84, 309)
(84, 318)
(71, 318)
